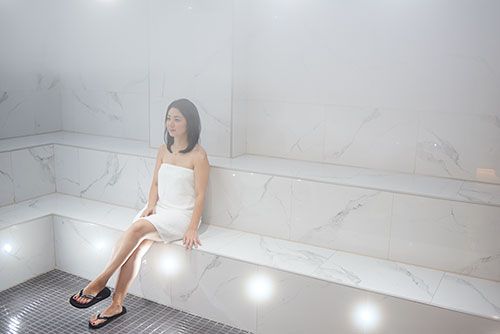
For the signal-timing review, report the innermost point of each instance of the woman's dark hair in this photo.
(190, 112)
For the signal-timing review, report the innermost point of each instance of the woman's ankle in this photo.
(117, 300)
(100, 281)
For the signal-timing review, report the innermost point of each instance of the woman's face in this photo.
(176, 123)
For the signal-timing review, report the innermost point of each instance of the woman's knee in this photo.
(142, 248)
(140, 227)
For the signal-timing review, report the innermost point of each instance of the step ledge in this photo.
(450, 291)
(476, 192)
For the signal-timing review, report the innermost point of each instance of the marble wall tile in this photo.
(375, 82)
(67, 167)
(27, 250)
(300, 304)
(105, 93)
(483, 296)
(132, 80)
(33, 171)
(240, 110)
(29, 112)
(145, 170)
(284, 129)
(6, 179)
(110, 177)
(344, 218)
(25, 31)
(106, 113)
(249, 202)
(214, 287)
(402, 316)
(161, 264)
(48, 114)
(82, 248)
(415, 283)
(452, 236)
(314, 54)
(15, 118)
(371, 137)
(194, 64)
(275, 57)
(304, 305)
(29, 85)
(118, 30)
(276, 253)
(459, 145)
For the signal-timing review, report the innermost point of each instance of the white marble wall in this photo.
(191, 57)
(149, 53)
(397, 90)
(104, 176)
(32, 109)
(29, 82)
(458, 236)
(26, 174)
(410, 87)
(103, 60)
(116, 67)
(99, 175)
(27, 251)
(6, 179)
(303, 305)
(82, 248)
(448, 235)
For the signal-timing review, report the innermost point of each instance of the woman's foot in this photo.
(108, 312)
(93, 288)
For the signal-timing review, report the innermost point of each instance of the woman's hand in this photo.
(191, 238)
(148, 211)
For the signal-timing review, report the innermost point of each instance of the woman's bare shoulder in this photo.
(200, 151)
(200, 154)
(162, 150)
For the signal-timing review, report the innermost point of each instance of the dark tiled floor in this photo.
(41, 305)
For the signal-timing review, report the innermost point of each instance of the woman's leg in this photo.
(127, 274)
(129, 271)
(140, 230)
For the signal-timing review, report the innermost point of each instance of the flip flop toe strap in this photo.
(88, 296)
(104, 317)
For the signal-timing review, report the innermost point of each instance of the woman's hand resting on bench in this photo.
(150, 210)
(191, 238)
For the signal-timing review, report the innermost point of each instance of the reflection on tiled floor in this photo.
(41, 305)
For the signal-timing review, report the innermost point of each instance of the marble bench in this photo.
(439, 223)
(411, 184)
(81, 228)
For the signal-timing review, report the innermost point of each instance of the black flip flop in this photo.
(103, 294)
(107, 319)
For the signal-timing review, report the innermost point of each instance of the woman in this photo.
(173, 210)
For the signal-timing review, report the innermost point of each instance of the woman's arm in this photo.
(153, 192)
(201, 171)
